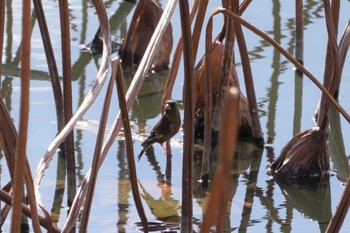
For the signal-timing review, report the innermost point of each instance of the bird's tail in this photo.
(141, 153)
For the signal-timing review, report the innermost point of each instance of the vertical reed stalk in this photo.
(51, 62)
(188, 97)
(249, 82)
(217, 205)
(299, 31)
(174, 67)
(118, 76)
(288, 56)
(2, 26)
(23, 120)
(67, 97)
(332, 68)
(226, 69)
(208, 104)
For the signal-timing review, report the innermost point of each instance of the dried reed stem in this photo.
(342, 209)
(299, 31)
(51, 62)
(5, 197)
(288, 56)
(130, 98)
(332, 68)
(2, 23)
(129, 144)
(97, 152)
(217, 205)
(89, 99)
(188, 98)
(174, 67)
(249, 83)
(21, 142)
(67, 98)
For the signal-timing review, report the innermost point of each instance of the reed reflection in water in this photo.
(257, 202)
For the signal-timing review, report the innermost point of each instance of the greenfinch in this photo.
(168, 125)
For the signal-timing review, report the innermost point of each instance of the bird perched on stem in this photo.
(168, 125)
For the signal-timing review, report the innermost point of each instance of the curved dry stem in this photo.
(130, 98)
(285, 54)
(88, 101)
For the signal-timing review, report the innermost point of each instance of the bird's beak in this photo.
(167, 107)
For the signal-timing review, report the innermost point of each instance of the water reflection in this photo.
(311, 197)
(256, 201)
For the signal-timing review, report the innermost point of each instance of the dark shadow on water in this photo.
(309, 196)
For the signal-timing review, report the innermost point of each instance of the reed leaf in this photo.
(147, 15)
(305, 155)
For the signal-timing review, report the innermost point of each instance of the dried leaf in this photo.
(139, 37)
(305, 155)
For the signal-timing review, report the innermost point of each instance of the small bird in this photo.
(168, 125)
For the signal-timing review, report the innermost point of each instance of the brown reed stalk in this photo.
(332, 68)
(208, 96)
(130, 97)
(175, 64)
(249, 83)
(342, 209)
(118, 76)
(226, 68)
(299, 31)
(2, 23)
(51, 62)
(67, 98)
(218, 200)
(285, 53)
(244, 6)
(8, 199)
(21, 142)
(8, 139)
(208, 103)
(199, 7)
(188, 97)
(94, 166)
(89, 99)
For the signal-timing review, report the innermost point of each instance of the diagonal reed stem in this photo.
(287, 55)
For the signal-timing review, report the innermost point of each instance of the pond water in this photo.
(286, 105)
